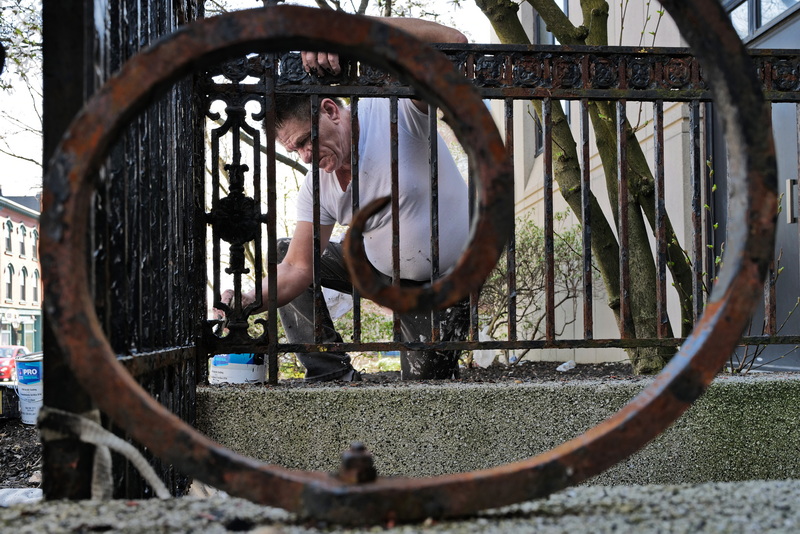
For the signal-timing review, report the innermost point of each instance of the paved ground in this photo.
(742, 507)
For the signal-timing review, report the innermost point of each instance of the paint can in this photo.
(30, 386)
(236, 369)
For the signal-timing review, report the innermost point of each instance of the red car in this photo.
(7, 364)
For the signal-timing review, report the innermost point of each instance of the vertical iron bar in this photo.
(511, 250)
(170, 229)
(626, 329)
(770, 299)
(471, 192)
(549, 248)
(319, 301)
(395, 205)
(662, 319)
(270, 76)
(237, 116)
(67, 463)
(216, 250)
(797, 198)
(586, 216)
(475, 295)
(697, 209)
(770, 312)
(355, 131)
(433, 148)
(710, 214)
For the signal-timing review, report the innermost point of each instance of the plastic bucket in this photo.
(236, 369)
(30, 387)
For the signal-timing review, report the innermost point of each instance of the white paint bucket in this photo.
(30, 387)
(236, 369)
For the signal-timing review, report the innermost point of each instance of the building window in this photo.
(22, 234)
(9, 232)
(35, 245)
(35, 288)
(23, 284)
(749, 16)
(9, 282)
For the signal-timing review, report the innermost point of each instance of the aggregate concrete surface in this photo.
(741, 429)
(741, 507)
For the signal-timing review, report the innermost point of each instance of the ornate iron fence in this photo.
(579, 76)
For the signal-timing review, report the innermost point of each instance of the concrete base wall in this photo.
(743, 428)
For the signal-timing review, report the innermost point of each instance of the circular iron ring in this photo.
(69, 307)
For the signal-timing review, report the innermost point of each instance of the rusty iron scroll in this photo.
(352, 498)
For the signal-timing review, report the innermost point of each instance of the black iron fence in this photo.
(587, 83)
(142, 236)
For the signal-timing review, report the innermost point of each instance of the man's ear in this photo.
(329, 108)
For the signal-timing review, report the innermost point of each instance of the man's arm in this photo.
(296, 271)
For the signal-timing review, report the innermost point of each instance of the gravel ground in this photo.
(523, 372)
(747, 507)
(21, 456)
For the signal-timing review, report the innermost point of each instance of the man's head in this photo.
(293, 130)
(296, 107)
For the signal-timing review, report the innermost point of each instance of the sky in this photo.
(20, 178)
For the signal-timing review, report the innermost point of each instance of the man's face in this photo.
(334, 151)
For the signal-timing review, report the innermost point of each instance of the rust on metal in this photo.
(68, 190)
(626, 325)
(662, 318)
(549, 244)
(586, 218)
(357, 465)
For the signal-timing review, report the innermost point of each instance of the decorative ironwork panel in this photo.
(501, 71)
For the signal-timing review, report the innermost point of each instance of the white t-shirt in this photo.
(414, 184)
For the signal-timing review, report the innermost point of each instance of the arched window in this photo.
(23, 284)
(9, 232)
(22, 234)
(35, 245)
(9, 282)
(35, 288)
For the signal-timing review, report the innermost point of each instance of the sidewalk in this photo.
(732, 508)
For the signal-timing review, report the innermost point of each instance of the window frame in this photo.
(9, 237)
(755, 26)
(23, 233)
(9, 283)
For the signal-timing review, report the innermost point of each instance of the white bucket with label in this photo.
(30, 386)
(236, 369)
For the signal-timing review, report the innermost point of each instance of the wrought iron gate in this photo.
(353, 496)
(143, 230)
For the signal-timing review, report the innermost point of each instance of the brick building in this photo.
(21, 284)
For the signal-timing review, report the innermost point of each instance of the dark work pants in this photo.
(298, 322)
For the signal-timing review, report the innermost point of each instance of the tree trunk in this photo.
(502, 14)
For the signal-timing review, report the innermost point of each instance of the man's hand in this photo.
(227, 299)
(321, 62)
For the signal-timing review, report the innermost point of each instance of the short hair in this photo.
(296, 107)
